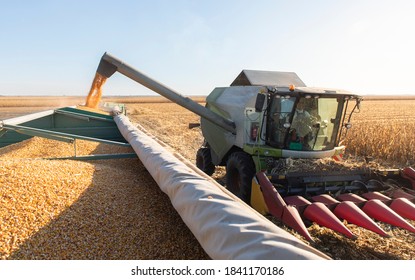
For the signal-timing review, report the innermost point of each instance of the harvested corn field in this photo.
(126, 216)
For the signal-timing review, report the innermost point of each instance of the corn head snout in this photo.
(385, 196)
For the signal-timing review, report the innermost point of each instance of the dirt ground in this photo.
(170, 123)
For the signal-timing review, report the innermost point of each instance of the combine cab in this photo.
(267, 120)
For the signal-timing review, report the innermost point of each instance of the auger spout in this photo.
(109, 65)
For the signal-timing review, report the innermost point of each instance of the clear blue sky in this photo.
(54, 47)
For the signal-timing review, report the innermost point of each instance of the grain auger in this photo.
(266, 118)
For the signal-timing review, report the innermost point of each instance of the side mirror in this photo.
(317, 125)
(259, 102)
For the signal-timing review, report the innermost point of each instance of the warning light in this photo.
(292, 88)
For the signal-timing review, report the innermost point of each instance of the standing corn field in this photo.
(384, 130)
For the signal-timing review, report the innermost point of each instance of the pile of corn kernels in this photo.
(67, 209)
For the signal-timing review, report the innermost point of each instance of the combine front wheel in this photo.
(204, 161)
(240, 169)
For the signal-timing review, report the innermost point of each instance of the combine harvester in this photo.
(254, 127)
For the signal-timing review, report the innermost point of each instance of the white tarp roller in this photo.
(225, 227)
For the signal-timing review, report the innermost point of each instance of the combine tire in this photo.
(204, 161)
(240, 169)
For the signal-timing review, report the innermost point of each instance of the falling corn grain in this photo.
(95, 93)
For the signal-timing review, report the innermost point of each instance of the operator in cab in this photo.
(302, 124)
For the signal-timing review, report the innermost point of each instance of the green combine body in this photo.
(264, 106)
